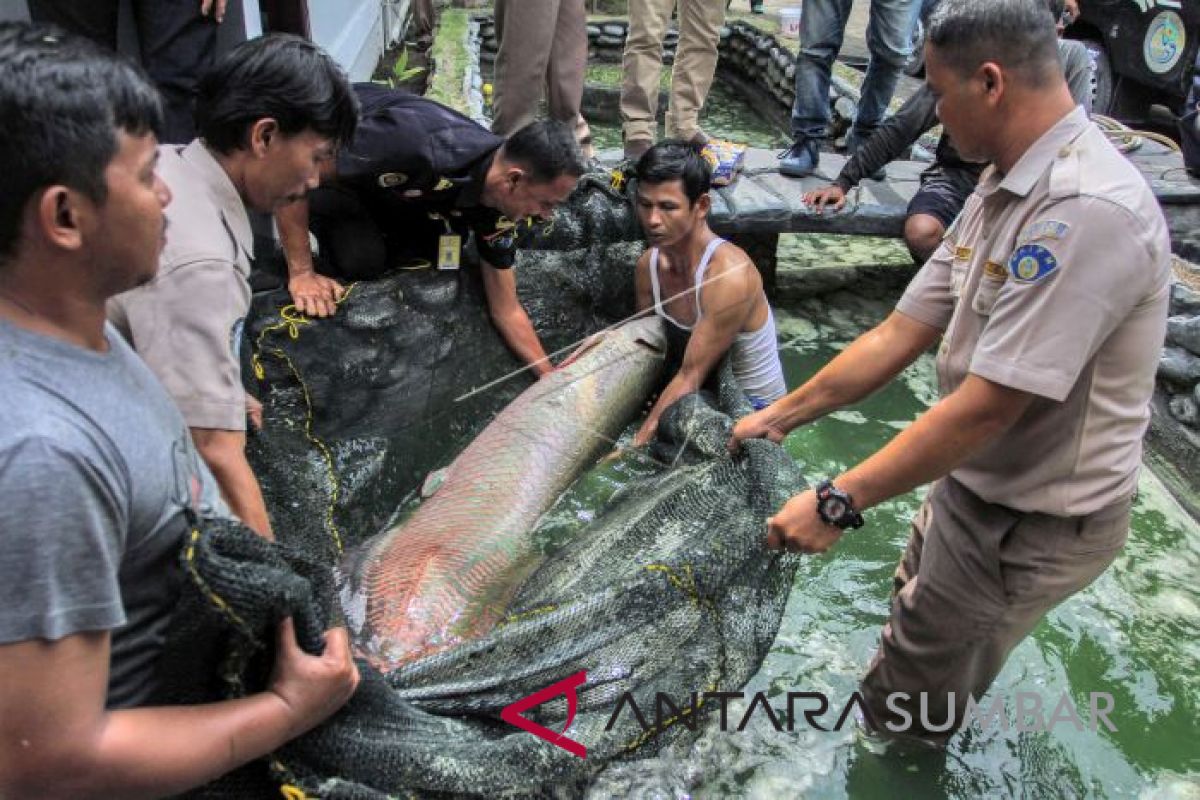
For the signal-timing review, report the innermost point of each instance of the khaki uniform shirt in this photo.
(186, 323)
(1054, 280)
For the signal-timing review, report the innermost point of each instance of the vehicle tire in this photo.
(1102, 77)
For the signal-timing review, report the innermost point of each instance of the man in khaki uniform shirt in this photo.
(1049, 294)
(263, 139)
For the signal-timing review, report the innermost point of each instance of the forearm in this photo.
(152, 752)
(518, 333)
(891, 139)
(225, 454)
(681, 385)
(953, 430)
(292, 222)
(868, 364)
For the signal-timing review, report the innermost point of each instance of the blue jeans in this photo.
(822, 26)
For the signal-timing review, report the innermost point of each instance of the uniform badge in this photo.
(995, 271)
(443, 185)
(1045, 229)
(390, 180)
(1032, 262)
(962, 253)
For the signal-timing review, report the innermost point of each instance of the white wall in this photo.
(353, 30)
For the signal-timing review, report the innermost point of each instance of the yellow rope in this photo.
(292, 320)
(206, 590)
(288, 786)
(524, 615)
(686, 583)
(617, 181)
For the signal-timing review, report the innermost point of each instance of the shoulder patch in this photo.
(1031, 263)
(1044, 229)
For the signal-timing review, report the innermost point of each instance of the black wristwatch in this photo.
(836, 507)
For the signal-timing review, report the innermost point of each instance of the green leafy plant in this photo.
(401, 71)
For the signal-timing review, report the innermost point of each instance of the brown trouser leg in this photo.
(975, 579)
(641, 66)
(695, 64)
(543, 45)
(422, 18)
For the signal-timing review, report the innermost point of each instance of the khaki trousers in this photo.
(975, 579)
(422, 17)
(695, 62)
(543, 47)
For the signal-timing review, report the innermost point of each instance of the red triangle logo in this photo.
(512, 713)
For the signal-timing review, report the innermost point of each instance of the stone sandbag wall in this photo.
(1175, 428)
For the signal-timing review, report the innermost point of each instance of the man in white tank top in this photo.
(703, 287)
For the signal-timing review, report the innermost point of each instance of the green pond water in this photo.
(726, 115)
(1135, 634)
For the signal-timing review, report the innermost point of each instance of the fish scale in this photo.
(448, 573)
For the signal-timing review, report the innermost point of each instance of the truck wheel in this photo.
(1102, 77)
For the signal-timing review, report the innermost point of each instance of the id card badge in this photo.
(449, 251)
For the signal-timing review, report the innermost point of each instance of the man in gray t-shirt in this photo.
(91, 444)
(96, 464)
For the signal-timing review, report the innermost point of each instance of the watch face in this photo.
(834, 507)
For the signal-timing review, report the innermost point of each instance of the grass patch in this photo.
(449, 60)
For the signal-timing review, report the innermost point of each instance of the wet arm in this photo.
(870, 362)
(956, 428)
(644, 295)
(313, 294)
(225, 454)
(953, 430)
(58, 740)
(512, 320)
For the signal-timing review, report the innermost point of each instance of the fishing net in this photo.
(667, 589)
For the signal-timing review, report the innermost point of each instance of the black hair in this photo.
(63, 100)
(1017, 34)
(1057, 7)
(546, 149)
(676, 160)
(281, 77)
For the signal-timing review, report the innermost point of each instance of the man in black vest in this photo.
(416, 180)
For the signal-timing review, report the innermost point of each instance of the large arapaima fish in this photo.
(447, 573)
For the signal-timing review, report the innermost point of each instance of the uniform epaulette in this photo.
(1064, 173)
